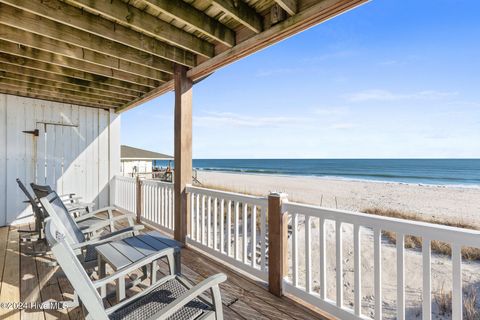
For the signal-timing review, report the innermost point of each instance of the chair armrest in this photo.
(92, 214)
(209, 283)
(167, 252)
(106, 238)
(105, 223)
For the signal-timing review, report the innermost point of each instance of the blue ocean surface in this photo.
(460, 172)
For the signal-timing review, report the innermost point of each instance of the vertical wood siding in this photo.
(77, 151)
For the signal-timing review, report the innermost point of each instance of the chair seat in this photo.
(159, 298)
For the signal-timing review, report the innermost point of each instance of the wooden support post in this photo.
(277, 243)
(183, 151)
(139, 198)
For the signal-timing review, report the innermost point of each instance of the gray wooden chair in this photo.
(83, 241)
(171, 297)
(38, 213)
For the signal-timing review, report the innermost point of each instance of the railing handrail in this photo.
(431, 231)
(261, 201)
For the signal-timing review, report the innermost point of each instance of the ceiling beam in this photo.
(23, 90)
(59, 47)
(196, 19)
(67, 88)
(146, 24)
(85, 29)
(81, 76)
(67, 82)
(90, 86)
(290, 6)
(81, 65)
(241, 12)
(33, 24)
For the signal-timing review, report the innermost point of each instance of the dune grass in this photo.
(414, 242)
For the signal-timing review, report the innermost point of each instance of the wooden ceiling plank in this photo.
(147, 24)
(83, 85)
(72, 89)
(31, 22)
(81, 76)
(290, 6)
(45, 95)
(16, 92)
(196, 19)
(81, 65)
(241, 12)
(59, 47)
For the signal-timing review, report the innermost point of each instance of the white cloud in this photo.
(233, 119)
(384, 95)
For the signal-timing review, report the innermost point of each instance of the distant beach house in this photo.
(139, 161)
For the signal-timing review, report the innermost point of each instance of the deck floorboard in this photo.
(26, 278)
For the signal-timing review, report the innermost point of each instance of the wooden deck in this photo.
(25, 278)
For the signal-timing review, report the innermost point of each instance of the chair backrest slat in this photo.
(62, 218)
(37, 211)
(41, 191)
(73, 269)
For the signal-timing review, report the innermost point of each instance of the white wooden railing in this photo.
(158, 204)
(125, 193)
(231, 227)
(305, 215)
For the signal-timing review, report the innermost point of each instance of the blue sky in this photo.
(390, 79)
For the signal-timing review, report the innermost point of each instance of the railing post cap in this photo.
(278, 194)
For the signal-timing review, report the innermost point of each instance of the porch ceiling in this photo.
(121, 53)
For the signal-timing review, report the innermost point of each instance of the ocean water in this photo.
(460, 172)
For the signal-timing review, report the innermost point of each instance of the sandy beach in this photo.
(437, 201)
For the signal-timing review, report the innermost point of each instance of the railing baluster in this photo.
(236, 251)
(197, 217)
(377, 249)
(323, 258)
(229, 228)
(192, 206)
(308, 255)
(203, 219)
(163, 209)
(295, 249)
(357, 267)
(209, 222)
(457, 309)
(400, 276)
(245, 232)
(339, 262)
(215, 219)
(222, 226)
(427, 280)
(263, 227)
(253, 241)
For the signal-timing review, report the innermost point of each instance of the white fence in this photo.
(314, 219)
(125, 193)
(158, 204)
(231, 227)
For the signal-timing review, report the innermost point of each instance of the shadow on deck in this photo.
(29, 279)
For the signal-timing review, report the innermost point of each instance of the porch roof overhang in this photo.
(121, 53)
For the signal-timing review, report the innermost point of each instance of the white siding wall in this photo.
(78, 151)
